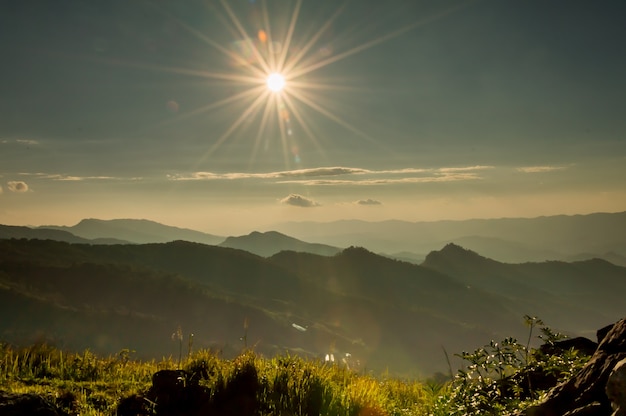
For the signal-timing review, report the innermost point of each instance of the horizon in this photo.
(278, 224)
(411, 111)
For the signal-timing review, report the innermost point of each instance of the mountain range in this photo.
(510, 240)
(386, 313)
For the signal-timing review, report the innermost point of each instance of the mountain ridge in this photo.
(268, 243)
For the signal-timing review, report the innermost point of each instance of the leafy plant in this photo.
(502, 377)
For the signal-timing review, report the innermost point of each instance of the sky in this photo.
(402, 109)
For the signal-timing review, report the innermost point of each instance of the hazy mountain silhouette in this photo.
(272, 242)
(10, 231)
(389, 314)
(557, 291)
(506, 239)
(511, 240)
(136, 231)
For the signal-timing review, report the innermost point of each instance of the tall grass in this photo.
(91, 385)
(494, 381)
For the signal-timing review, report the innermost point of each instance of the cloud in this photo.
(299, 201)
(368, 202)
(27, 142)
(0, 190)
(57, 177)
(72, 178)
(540, 169)
(333, 171)
(320, 176)
(17, 186)
(325, 171)
(465, 168)
(436, 177)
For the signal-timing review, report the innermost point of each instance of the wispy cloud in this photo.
(466, 168)
(540, 169)
(17, 186)
(368, 202)
(323, 175)
(325, 171)
(79, 178)
(74, 178)
(299, 201)
(26, 142)
(436, 177)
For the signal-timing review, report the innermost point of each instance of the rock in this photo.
(168, 388)
(585, 392)
(173, 393)
(616, 389)
(12, 404)
(581, 344)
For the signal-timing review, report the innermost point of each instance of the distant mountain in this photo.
(505, 239)
(10, 231)
(406, 256)
(136, 231)
(505, 250)
(590, 290)
(388, 314)
(272, 242)
(610, 256)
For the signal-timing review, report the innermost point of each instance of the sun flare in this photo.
(275, 82)
(276, 68)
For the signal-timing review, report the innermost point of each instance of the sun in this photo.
(275, 82)
(272, 74)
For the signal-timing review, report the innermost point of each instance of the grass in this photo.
(86, 384)
(494, 382)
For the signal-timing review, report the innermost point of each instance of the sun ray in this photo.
(245, 35)
(296, 113)
(301, 96)
(239, 59)
(283, 134)
(269, 106)
(270, 42)
(253, 107)
(297, 72)
(244, 79)
(289, 36)
(306, 48)
(214, 105)
(312, 85)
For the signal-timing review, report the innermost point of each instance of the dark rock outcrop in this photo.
(178, 393)
(616, 388)
(173, 393)
(581, 344)
(585, 392)
(13, 404)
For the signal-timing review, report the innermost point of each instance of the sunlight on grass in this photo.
(90, 385)
(86, 384)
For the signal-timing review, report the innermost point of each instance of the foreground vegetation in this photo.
(496, 380)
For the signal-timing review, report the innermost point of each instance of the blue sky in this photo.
(416, 110)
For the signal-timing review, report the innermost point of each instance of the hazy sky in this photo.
(405, 109)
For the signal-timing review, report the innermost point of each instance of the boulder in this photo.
(616, 389)
(13, 404)
(581, 344)
(585, 392)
